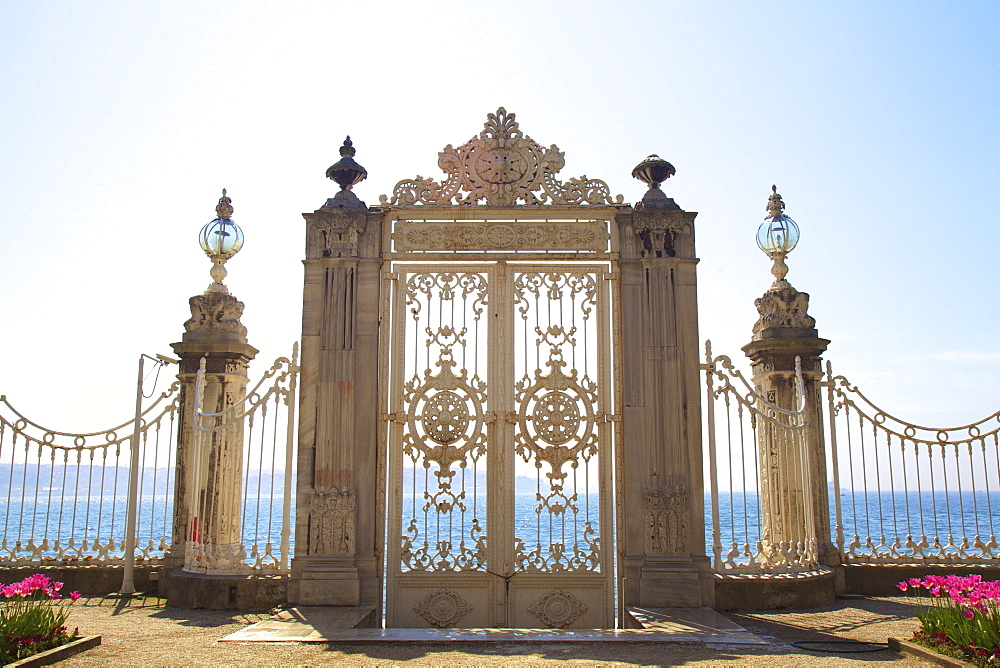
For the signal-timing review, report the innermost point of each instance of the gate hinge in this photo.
(613, 276)
(391, 277)
(393, 417)
(610, 418)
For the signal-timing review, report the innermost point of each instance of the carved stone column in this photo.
(662, 552)
(208, 490)
(336, 559)
(784, 331)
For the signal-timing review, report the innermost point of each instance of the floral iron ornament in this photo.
(504, 167)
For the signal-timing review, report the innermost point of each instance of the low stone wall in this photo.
(194, 591)
(95, 580)
(881, 579)
(770, 592)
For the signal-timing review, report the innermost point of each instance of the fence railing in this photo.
(262, 424)
(905, 493)
(759, 518)
(64, 496)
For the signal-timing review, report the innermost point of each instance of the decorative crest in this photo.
(224, 209)
(504, 167)
(775, 205)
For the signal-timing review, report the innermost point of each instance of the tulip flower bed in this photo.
(960, 616)
(32, 619)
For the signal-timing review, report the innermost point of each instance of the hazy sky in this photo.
(122, 121)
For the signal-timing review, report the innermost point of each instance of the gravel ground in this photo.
(146, 632)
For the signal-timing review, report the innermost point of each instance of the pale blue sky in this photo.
(121, 122)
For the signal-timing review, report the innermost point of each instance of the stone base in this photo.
(322, 584)
(670, 586)
(770, 592)
(95, 580)
(881, 579)
(194, 591)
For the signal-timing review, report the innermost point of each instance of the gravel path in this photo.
(145, 632)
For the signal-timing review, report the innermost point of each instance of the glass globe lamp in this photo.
(777, 236)
(221, 239)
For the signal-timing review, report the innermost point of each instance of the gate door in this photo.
(500, 456)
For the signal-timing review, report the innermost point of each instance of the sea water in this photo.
(891, 514)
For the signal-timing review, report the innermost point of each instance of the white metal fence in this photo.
(899, 492)
(905, 493)
(64, 496)
(265, 421)
(760, 494)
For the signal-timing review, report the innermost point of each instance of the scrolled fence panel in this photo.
(64, 495)
(245, 479)
(906, 493)
(760, 512)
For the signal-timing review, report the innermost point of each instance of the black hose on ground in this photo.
(871, 646)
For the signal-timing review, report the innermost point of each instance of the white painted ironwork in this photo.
(760, 495)
(504, 167)
(471, 234)
(65, 495)
(906, 493)
(500, 412)
(260, 428)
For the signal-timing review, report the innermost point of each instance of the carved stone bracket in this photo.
(215, 318)
(210, 558)
(660, 233)
(332, 521)
(503, 167)
(783, 315)
(442, 608)
(334, 229)
(557, 609)
(667, 531)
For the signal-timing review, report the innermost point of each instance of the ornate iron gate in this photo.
(500, 406)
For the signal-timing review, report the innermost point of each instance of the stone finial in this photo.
(346, 172)
(653, 171)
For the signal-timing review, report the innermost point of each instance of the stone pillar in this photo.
(337, 555)
(208, 490)
(783, 332)
(662, 551)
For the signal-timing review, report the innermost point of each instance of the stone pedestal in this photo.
(783, 332)
(208, 492)
(662, 548)
(337, 546)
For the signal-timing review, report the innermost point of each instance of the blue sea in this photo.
(893, 515)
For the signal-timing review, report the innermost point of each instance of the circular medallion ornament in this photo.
(445, 417)
(501, 165)
(556, 417)
(500, 236)
(558, 609)
(442, 608)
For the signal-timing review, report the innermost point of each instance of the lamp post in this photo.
(777, 236)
